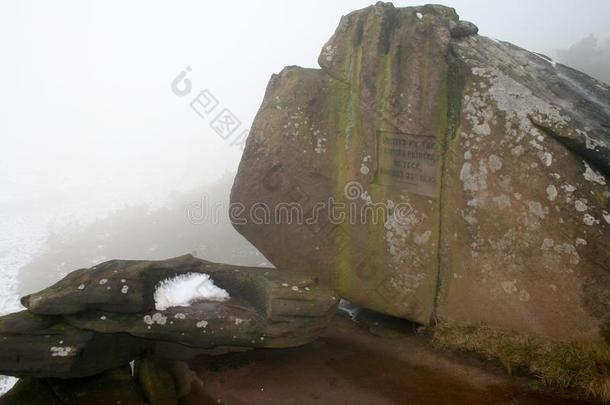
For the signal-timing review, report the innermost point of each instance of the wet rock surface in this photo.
(111, 387)
(488, 163)
(35, 346)
(527, 197)
(267, 308)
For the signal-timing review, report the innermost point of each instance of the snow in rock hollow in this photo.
(182, 290)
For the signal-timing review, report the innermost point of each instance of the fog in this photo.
(90, 125)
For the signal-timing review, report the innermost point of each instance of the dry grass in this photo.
(577, 367)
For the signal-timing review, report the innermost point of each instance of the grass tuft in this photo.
(571, 366)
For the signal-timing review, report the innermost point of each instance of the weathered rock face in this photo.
(474, 176)
(111, 387)
(123, 286)
(526, 215)
(319, 130)
(76, 328)
(267, 308)
(40, 347)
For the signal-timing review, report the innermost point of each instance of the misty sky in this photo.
(86, 96)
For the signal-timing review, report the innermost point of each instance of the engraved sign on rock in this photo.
(409, 161)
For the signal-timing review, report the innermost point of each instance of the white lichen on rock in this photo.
(157, 318)
(551, 192)
(495, 163)
(62, 351)
(594, 176)
(581, 205)
(590, 220)
(328, 53)
(320, 145)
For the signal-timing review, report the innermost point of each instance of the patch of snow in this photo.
(184, 289)
(6, 383)
(419, 15)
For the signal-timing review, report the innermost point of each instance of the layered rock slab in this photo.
(490, 164)
(267, 308)
(41, 347)
(100, 318)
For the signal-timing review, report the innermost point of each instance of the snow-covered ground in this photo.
(21, 236)
(29, 207)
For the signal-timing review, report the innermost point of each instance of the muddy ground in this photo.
(374, 361)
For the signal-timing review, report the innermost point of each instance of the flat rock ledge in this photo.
(101, 318)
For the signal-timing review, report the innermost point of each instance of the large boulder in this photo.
(472, 176)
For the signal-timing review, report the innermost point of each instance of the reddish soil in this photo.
(350, 365)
